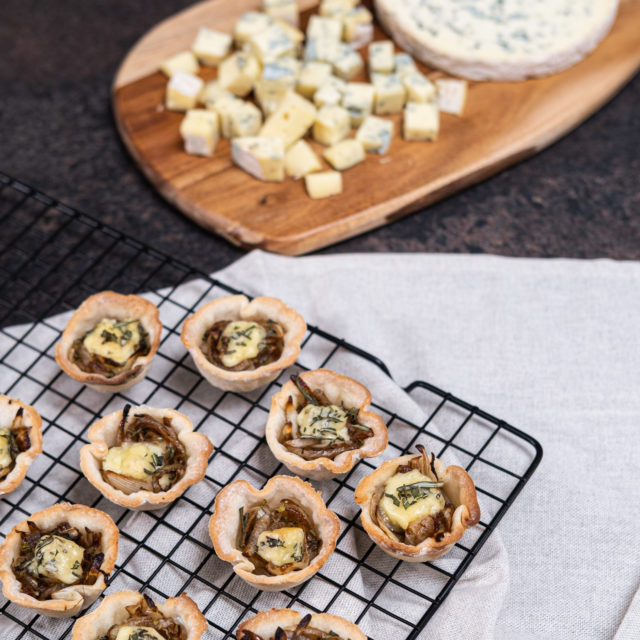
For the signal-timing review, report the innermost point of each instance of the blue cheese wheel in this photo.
(499, 40)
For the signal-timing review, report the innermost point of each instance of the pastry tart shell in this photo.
(225, 523)
(72, 599)
(458, 488)
(109, 304)
(30, 418)
(338, 389)
(112, 610)
(102, 435)
(265, 624)
(239, 308)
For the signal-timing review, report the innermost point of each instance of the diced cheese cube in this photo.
(332, 124)
(345, 154)
(246, 120)
(358, 101)
(199, 130)
(261, 157)
(358, 27)
(390, 93)
(375, 134)
(419, 87)
(330, 92)
(277, 79)
(323, 39)
(403, 64)
(290, 120)
(271, 43)
(331, 8)
(381, 57)
(312, 76)
(301, 160)
(211, 47)
(452, 95)
(323, 184)
(238, 73)
(211, 93)
(184, 61)
(249, 24)
(421, 121)
(225, 108)
(286, 10)
(295, 35)
(348, 64)
(329, 27)
(183, 90)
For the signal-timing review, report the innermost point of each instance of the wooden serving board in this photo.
(502, 123)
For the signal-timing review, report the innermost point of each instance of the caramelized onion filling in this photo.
(278, 539)
(243, 346)
(36, 566)
(316, 428)
(302, 631)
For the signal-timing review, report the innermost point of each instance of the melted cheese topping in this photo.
(5, 449)
(58, 558)
(402, 512)
(325, 423)
(245, 340)
(281, 546)
(138, 633)
(114, 339)
(138, 460)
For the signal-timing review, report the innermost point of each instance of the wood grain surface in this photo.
(502, 124)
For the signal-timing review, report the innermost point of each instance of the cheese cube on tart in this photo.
(211, 47)
(375, 135)
(332, 124)
(301, 160)
(184, 61)
(323, 184)
(183, 90)
(421, 121)
(199, 130)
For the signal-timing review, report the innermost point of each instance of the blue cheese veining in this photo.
(281, 546)
(57, 558)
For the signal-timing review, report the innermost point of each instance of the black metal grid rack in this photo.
(51, 258)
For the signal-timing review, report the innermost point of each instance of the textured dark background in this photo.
(579, 198)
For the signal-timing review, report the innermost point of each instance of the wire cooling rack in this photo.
(51, 258)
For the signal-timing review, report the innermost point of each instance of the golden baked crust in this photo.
(265, 624)
(458, 488)
(339, 390)
(102, 435)
(109, 304)
(30, 418)
(112, 611)
(70, 600)
(239, 308)
(225, 524)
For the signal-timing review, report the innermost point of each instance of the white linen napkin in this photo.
(552, 347)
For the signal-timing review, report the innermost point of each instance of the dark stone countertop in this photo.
(579, 198)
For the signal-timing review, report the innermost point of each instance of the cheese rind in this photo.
(183, 90)
(345, 154)
(211, 47)
(262, 157)
(184, 61)
(497, 40)
(324, 184)
(421, 121)
(244, 342)
(290, 120)
(332, 124)
(452, 95)
(375, 135)
(282, 546)
(199, 130)
(300, 160)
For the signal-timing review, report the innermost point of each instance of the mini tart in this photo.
(105, 434)
(110, 305)
(338, 391)
(23, 437)
(264, 625)
(239, 498)
(238, 308)
(113, 611)
(68, 600)
(457, 488)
